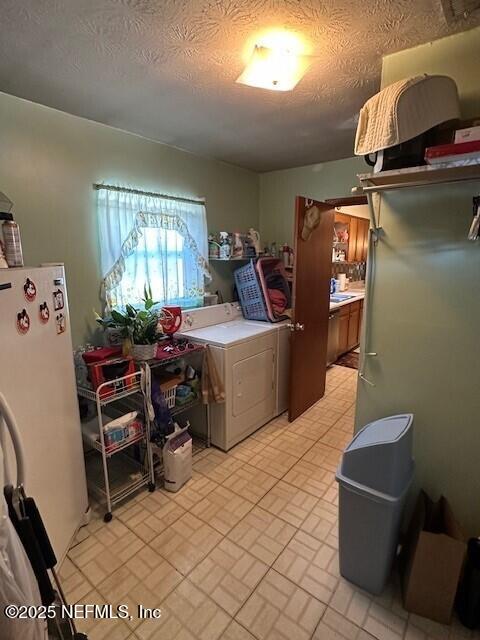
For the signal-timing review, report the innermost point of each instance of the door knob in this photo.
(299, 326)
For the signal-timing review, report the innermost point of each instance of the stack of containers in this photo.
(374, 475)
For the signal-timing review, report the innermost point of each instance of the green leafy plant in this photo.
(139, 325)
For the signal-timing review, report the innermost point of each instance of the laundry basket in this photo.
(266, 268)
(169, 390)
(250, 293)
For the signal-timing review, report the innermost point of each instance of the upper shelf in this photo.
(417, 177)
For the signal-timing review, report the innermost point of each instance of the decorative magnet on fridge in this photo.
(23, 322)
(60, 323)
(58, 301)
(30, 290)
(44, 313)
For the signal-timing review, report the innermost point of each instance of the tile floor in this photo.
(248, 550)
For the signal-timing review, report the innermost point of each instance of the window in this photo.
(151, 240)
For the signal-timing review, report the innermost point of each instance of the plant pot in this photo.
(144, 351)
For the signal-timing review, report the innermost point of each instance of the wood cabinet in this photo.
(350, 323)
(343, 329)
(361, 243)
(353, 325)
(357, 248)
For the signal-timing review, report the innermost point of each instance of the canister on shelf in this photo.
(12, 243)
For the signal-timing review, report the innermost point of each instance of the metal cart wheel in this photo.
(107, 517)
(151, 487)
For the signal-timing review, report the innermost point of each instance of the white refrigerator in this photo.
(38, 381)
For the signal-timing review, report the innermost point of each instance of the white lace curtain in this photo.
(155, 241)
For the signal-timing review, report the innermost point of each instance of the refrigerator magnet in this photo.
(58, 301)
(23, 322)
(30, 290)
(44, 313)
(60, 323)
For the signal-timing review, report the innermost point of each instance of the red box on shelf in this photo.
(99, 355)
(112, 369)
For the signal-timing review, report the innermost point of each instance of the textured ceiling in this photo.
(166, 69)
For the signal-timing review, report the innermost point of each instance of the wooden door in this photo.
(311, 301)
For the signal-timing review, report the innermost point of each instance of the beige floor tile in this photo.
(274, 461)
(271, 431)
(324, 414)
(96, 629)
(346, 424)
(309, 477)
(262, 534)
(246, 449)
(228, 575)
(74, 583)
(235, 631)
(336, 438)
(217, 465)
(322, 523)
(333, 626)
(278, 609)
(360, 608)
(151, 515)
(338, 402)
(186, 542)
(331, 494)
(310, 564)
(146, 579)
(250, 483)
(222, 509)
(293, 443)
(193, 491)
(105, 551)
(187, 614)
(323, 456)
(289, 503)
(308, 428)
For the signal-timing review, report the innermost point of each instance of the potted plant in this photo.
(138, 326)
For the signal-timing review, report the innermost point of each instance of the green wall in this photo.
(319, 181)
(425, 308)
(456, 56)
(48, 163)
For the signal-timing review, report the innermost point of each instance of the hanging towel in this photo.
(212, 385)
(404, 110)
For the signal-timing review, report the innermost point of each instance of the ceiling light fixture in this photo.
(277, 63)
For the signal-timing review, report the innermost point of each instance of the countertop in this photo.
(358, 294)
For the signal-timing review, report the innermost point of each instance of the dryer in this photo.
(252, 360)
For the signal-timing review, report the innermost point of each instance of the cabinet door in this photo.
(352, 239)
(362, 248)
(343, 330)
(360, 321)
(353, 325)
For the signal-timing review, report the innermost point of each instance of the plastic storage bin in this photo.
(374, 477)
(250, 293)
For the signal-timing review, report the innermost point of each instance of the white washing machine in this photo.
(252, 359)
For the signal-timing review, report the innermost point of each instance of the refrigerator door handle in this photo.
(11, 424)
(5, 285)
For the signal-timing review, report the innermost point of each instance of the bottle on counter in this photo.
(12, 241)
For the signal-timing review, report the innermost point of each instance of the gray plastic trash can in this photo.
(374, 477)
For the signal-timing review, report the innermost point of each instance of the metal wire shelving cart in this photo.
(117, 474)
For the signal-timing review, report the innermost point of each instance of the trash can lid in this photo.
(380, 455)
(386, 430)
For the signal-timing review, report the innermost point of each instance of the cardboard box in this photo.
(432, 560)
